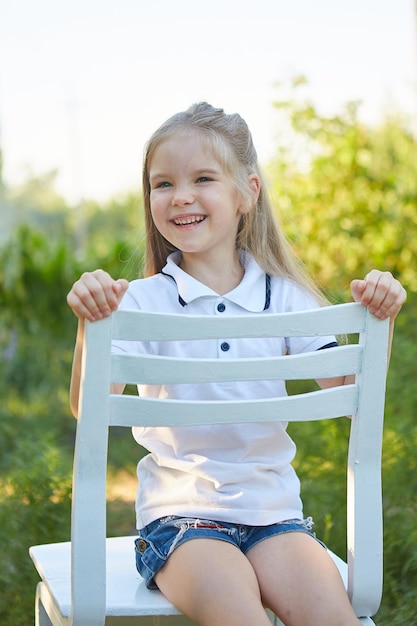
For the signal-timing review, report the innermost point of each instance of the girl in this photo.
(221, 528)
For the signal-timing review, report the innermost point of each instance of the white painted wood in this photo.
(317, 405)
(126, 594)
(365, 540)
(159, 369)
(346, 319)
(92, 581)
(126, 591)
(88, 524)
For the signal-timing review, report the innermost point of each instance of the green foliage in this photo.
(34, 508)
(37, 331)
(120, 219)
(347, 193)
(35, 486)
(400, 470)
(87, 231)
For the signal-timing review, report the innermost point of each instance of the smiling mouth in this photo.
(188, 219)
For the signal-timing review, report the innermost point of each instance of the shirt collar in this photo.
(252, 293)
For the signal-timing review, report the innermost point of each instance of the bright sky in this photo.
(83, 83)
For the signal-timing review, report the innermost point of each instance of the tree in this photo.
(347, 195)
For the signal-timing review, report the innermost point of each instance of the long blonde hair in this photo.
(228, 136)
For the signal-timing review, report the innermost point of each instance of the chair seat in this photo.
(127, 594)
(126, 590)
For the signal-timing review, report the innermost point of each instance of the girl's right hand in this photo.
(96, 295)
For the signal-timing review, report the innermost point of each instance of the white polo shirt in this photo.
(238, 473)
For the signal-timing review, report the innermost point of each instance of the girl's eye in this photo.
(203, 179)
(162, 185)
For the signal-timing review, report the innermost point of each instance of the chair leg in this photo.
(41, 616)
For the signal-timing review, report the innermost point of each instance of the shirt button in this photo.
(221, 307)
(225, 346)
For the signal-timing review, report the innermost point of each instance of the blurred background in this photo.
(329, 90)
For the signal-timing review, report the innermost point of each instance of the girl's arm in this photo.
(94, 296)
(384, 297)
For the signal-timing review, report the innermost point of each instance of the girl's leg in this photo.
(213, 583)
(300, 583)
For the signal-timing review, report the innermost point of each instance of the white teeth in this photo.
(181, 221)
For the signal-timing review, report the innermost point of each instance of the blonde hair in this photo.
(228, 136)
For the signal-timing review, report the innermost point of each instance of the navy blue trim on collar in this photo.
(267, 291)
(333, 344)
(182, 302)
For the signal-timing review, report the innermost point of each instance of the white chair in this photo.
(92, 580)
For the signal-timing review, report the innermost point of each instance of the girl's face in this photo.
(194, 203)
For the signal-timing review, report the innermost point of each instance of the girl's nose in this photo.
(182, 196)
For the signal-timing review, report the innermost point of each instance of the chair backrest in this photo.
(99, 410)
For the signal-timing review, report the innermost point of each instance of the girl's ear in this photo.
(255, 185)
(249, 202)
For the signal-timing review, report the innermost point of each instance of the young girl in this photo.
(221, 527)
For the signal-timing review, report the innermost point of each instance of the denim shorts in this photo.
(160, 538)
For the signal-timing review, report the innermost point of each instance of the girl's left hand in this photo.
(381, 293)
